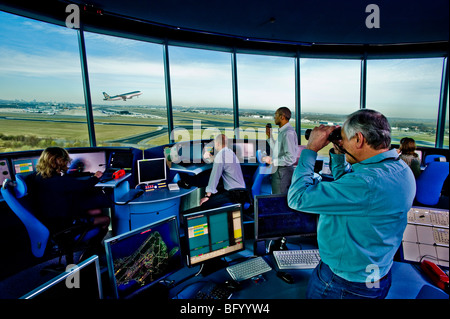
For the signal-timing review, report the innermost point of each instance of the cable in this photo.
(431, 257)
(139, 193)
(187, 286)
(198, 273)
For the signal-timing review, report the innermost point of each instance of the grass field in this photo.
(24, 131)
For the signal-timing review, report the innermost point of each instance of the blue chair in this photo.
(261, 174)
(433, 158)
(262, 171)
(63, 242)
(431, 292)
(429, 183)
(14, 197)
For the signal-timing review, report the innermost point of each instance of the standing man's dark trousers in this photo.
(281, 179)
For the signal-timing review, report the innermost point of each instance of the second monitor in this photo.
(142, 257)
(275, 220)
(151, 170)
(214, 233)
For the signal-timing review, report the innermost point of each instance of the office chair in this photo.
(262, 171)
(429, 183)
(433, 158)
(63, 243)
(431, 292)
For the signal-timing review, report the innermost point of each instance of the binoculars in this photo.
(333, 137)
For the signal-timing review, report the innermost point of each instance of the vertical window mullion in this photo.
(363, 83)
(87, 90)
(441, 120)
(235, 90)
(168, 91)
(298, 106)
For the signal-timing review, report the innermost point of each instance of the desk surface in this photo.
(267, 285)
(153, 196)
(407, 281)
(193, 169)
(197, 168)
(113, 182)
(264, 286)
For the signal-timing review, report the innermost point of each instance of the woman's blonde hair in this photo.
(53, 161)
(408, 146)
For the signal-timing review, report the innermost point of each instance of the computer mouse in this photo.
(232, 284)
(286, 277)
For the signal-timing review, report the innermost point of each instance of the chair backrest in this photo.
(431, 292)
(430, 182)
(14, 194)
(257, 181)
(261, 172)
(434, 158)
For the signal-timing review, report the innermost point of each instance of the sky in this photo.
(39, 61)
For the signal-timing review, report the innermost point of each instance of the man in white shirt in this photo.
(284, 151)
(226, 166)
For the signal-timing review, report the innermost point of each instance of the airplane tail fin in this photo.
(105, 95)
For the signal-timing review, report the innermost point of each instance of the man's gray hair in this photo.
(372, 124)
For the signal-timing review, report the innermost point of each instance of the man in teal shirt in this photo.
(363, 212)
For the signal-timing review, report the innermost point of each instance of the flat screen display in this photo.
(142, 257)
(24, 165)
(89, 162)
(151, 170)
(245, 150)
(121, 160)
(78, 282)
(213, 233)
(275, 219)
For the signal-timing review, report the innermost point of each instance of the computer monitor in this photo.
(213, 234)
(5, 172)
(245, 150)
(274, 219)
(87, 162)
(121, 160)
(25, 165)
(191, 152)
(420, 154)
(197, 149)
(152, 170)
(142, 257)
(82, 281)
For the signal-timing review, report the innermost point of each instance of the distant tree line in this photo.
(11, 143)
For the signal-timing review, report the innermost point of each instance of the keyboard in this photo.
(213, 291)
(297, 259)
(248, 269)
(106, 177)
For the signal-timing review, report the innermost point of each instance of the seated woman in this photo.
(408, 154)
(62, 199)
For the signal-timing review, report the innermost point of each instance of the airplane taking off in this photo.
(124, 96)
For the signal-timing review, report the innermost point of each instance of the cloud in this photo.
(50, 63)
(99, 66)
(35, 51)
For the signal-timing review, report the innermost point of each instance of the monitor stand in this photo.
(278, 244)
(157, 291)
(213, 265)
